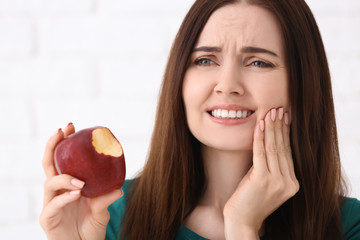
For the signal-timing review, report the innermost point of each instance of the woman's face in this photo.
(236, 75)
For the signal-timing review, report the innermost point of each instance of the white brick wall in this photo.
(98, 62)
(36, 8)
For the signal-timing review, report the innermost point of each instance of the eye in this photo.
(260, 64)
(204, 62)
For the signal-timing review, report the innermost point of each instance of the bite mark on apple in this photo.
(104, 142)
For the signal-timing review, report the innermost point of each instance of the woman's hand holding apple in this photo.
(66, 214)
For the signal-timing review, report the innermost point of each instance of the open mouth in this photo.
(230, 114)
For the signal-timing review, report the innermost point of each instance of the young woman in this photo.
(244, 144)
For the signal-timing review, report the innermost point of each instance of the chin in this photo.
(232, 145)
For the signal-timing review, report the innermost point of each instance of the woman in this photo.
(244, 145)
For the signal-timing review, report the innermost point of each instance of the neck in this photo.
(224, 170)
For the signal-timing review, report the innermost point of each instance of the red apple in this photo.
(94, 156)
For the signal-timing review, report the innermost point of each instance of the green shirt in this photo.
(350, 214)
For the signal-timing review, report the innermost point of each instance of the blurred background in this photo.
(100, 62)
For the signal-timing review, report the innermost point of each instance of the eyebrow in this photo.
(207, 49)
(247, 49)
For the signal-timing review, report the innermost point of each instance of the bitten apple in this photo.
(94, 156)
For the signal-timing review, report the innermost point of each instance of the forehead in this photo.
(244, 25)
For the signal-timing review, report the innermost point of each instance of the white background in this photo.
(100, 62)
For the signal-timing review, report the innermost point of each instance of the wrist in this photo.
(242, 233)
(238, 231)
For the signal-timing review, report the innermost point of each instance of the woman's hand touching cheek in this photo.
(270, 182)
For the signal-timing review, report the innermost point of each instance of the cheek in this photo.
(190, 95)
(188, 92)
(274, 97)
(272, 93)
(196, 89)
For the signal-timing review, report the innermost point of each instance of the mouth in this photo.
(230, 114)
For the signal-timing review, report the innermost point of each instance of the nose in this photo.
(229, 82)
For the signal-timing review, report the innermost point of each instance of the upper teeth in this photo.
(222, 113)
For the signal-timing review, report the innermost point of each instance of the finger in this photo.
(286, 137)
(48, 158)
(69, 129)
(279, 138)
(270, 142)
(100, 204)
(259, 155)
(60, 183)
(286, 130)
(58, 203)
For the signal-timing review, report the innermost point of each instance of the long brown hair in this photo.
(173, 178)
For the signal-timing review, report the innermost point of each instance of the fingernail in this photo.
(75, 192)
(273, 114)
(77, 183)
(281, 113)
(58, 131)
(267, 116)
(286, 118)
(69, 124)
(262, 125)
